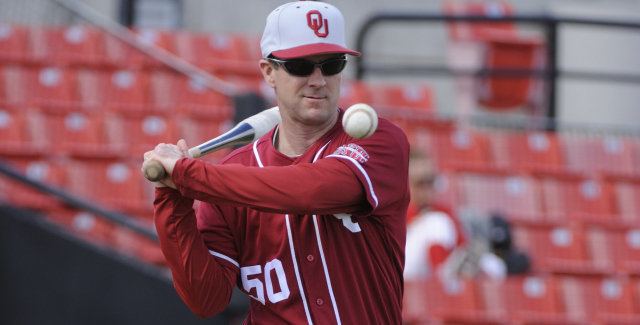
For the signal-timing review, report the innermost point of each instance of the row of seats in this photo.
(542, 199)
(574, 248)
(532, 151)
(104, 233)
(453, 149)
(538, 299)
(86, 45)
(97, 134)
(124, 89)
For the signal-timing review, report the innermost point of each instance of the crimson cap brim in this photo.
(313, 49)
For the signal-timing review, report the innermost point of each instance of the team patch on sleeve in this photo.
(354, 151)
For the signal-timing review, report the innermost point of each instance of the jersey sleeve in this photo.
(203, 281)
(380, 163)
(324, 187)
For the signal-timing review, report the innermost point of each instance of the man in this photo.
(308, 221)
(436, 243)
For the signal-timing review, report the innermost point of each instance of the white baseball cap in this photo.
(304, 28)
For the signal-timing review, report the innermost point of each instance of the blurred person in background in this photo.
(437, 243)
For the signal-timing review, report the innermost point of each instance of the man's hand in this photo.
(168, 155)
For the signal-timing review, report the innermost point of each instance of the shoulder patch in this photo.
(354, 151)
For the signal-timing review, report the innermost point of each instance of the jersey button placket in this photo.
(319, 302)
(310, 258)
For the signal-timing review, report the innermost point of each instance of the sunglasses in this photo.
(304, 68)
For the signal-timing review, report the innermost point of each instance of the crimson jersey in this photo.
(317, 238)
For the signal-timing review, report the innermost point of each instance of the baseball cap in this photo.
(304, 28)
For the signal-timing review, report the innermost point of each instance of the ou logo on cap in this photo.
(316, 23)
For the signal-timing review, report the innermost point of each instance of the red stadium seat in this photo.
(114, 184)
(397, 96)
(173, 92)
(533, 300)
(555, 248)
(70, 45)
(484, 30)
(22, 133)
(219, 52)
(13, 43)
(516, 196)
(39, 170)
(578, 198)
(13, 86)
(141, 133)
(531, 151)
(131, 243)
(195, 130)
(122, 55)
(84, 224)
(611, 155)
(118, 90)
(625, 247)
(80, 134)
(460, 149)
(432, 301)
(599, 300)
(52, 87)
(627, 196)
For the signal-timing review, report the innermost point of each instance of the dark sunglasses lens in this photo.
(299, 67)
(332, 67)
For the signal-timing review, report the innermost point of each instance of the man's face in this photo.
(309, 100)
(422, 175)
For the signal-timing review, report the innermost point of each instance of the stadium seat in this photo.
(195, 130)
(69, 45)
(84, 224)
(479, 31)
(114, 184)
(494, 45)
(128, 242)
(229, 53)
(19, 194)
(515, 196)
(602, 154)
(584, 199)
(174, 92)
(22, 133)
(80, 134)
(116, 90)
(141, 133)
(427, 302)
(460, 149)
(13, 86)
(627, 195)
(13, 43)
(526, 151)
(398, 96)
(533, 300)
(555, 248)
(52, 88)
(625, 247)
(123, 56)
(598, 300)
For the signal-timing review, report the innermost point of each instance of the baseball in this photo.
(360, 121)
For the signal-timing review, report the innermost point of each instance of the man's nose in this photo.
(316, 78)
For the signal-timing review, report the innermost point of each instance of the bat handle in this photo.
(153, 170)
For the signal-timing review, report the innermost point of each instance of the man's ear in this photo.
(268, 72)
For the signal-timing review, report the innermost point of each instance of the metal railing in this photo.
(551, 73)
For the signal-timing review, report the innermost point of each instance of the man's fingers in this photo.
(182, 145)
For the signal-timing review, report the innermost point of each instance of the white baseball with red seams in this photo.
(360, 121)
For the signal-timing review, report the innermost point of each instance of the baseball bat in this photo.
(249, 129)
